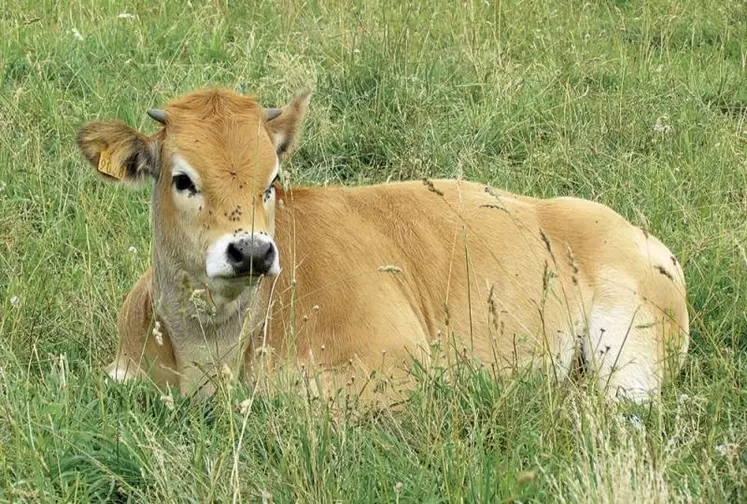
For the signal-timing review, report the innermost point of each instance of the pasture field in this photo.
(638, 105)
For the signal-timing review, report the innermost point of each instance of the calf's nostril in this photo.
(235, 253)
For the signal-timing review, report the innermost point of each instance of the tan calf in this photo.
(348, 281)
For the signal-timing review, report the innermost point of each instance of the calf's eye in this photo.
(182, 183)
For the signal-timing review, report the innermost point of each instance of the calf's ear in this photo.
(119, 153)
(284, 123)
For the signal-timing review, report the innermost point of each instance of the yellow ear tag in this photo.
(107, 168)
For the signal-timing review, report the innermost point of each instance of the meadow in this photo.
(638, 105)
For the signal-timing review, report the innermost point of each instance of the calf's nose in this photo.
(250, 256)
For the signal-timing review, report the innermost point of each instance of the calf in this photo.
(347, 281)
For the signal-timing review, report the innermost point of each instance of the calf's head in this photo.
(215, 163)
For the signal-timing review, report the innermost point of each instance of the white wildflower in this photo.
(157, 334)
(662, 125)
(126, 15)
(726, 449)
(226, 372)
(132, 250)
(200, 300)
(168, 401)
(637, 423)
(14, 300)
(76, 34)
(245, 406)
(63, 370)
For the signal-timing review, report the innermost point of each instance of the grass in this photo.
(639, 105)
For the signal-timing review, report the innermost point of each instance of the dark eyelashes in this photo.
(182, 183)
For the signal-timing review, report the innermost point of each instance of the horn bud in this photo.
(272, 113)
(157, 115)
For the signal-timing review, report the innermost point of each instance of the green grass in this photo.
(639, 105)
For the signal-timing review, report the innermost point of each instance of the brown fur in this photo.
(373, 276)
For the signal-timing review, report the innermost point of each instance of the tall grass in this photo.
(639, 105)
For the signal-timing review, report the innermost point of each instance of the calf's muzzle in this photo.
(250, 256)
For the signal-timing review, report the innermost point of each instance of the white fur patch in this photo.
(184, 200)
(622, 349)
(120, 372)
(275, 172)
(180, 165)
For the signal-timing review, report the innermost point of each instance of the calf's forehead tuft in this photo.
(213, 104)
